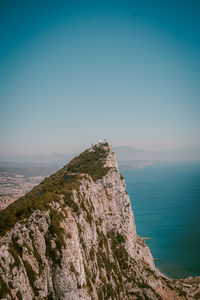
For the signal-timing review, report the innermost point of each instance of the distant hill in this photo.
(50, 159)
(126, 153)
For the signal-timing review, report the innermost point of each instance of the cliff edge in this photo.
(74, 237)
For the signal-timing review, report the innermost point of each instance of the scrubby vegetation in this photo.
(19, 295)
(60, 183)
(122, 177)
(112, 261)
(69, 201)
(23, 208)
(91, 163)
(73, 270)
(37, 255)
(31, 276)
(108, 267)
(118, 248)
(54, 237)
(4, 290)
(88, 278)
(16, 251)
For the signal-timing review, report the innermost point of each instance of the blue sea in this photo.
(165, 199)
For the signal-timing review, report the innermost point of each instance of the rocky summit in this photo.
(74, 237)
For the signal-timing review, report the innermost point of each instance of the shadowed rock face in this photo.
(74, 237)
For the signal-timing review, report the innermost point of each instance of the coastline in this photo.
(159, 197)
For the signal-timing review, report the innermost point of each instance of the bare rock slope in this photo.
(74, 237)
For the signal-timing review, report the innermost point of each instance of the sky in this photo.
(74, 72)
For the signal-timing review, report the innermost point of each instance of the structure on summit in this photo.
(74, 237)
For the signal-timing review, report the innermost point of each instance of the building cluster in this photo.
(15, 186)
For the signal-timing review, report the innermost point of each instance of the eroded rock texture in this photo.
(74, 237)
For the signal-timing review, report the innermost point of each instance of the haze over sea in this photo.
(166, 201)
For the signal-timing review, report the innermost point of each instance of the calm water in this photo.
(166, 203)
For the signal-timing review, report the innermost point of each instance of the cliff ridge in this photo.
(74, 237)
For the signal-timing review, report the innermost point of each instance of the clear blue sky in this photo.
(72, 72)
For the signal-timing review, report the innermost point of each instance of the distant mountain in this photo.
(51, 159)
(126, 153)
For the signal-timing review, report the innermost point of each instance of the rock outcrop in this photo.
(74, 237)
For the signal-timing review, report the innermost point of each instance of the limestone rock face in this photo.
(74, 237)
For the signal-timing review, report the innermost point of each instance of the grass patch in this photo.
(91, 163)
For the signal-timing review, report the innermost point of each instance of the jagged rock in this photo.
(74, 237)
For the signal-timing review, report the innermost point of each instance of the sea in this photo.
(165, 198)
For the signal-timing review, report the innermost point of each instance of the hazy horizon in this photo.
(79, 150)
(74, 72)
(126, 156)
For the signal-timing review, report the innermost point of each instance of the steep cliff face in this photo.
(74, 237)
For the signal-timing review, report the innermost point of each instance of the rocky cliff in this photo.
(74, 237)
